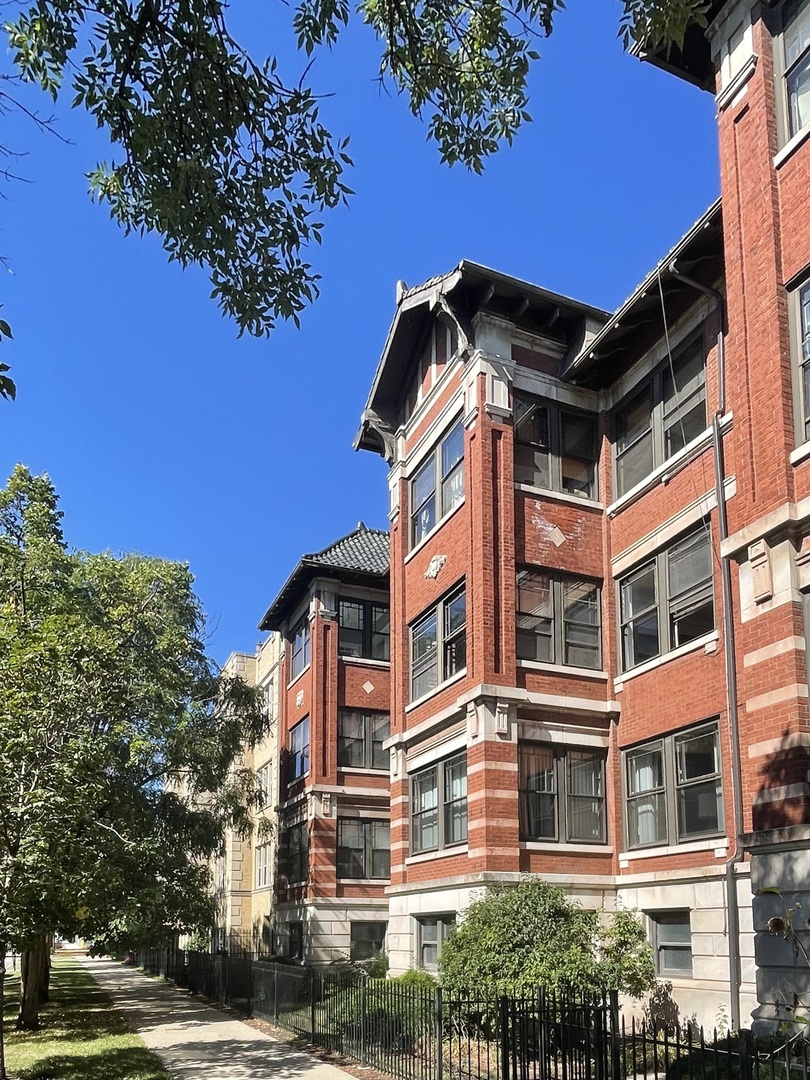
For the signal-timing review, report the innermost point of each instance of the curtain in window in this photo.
(538, 792)
(646, 801)
(585, 796)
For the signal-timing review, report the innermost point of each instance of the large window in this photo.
(558, 620)
(364, 849)
(263, 863)
(439, 643)
(298, 764)
(363, 629)
(661, 417)
(668, 601)
(801, 302)
(438, 486)
(674, 789)
(439, 805)
(796, 65)
(264, 780)
(367, 940)
(554, 448)
(672, 942)
(431, 933)
(300, 647)
(562, 794)
(360, 739)
(297, 852)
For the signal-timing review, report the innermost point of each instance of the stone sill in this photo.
(562, 669)
(558, 496)
(444, 853)
(673, 654)
(436, 690)
(719, 845)
(791, 146)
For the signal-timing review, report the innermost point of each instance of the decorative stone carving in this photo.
(368, 686)
(299, 699)
(435, 566)
(761, 576)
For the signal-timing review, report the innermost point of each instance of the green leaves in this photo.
(660, 22)
(7, 388)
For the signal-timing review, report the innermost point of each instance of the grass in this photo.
(81, 1038)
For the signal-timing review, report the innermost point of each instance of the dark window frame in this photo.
(298, 765)
(355, 952)
(367, 631)
(558, 637)
(666, 791)
(557, 415)
(445, 924)
(370, 759)
(300, 647)
(662, 941)
(799, 311)
(295, 940)
(439, 500)
(436, 777)
(671, 611)
(297, 860)
(562, 793)
(449, 642)
(653, 386)
(369, 828)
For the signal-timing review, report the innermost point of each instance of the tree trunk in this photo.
(45, 987)
(32, 972)
(3, 1073)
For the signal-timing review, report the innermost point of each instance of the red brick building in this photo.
(333, 812)
(600, 559)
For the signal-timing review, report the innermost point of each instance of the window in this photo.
(363, 629)
(367, 939)
(663, 416)
(562, 794)
(262, 866)
(300, 641)
(295, 941)
(298, 765)
(558, 620)
(360, 739)
(297, 852)
(669, 601)
(364, 849)
(439, 644)
(554, 448)
(796, 66)
(264, 780)
(439, 805)
(674, 789)
(672, 942)
(801, 303)
(431, 934)
(438, 486)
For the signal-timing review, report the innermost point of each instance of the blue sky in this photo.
(165, 433)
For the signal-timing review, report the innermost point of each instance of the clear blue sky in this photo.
(166, 434)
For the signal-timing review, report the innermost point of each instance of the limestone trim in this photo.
(792, 741)
(559, 496)
(782, 793)
(788, 644)
(791, 146)
(787, 519)
(673, 654)
(584, 849)
(773, 697)
(561, 669)
(729, 93)
(443, 853)
(715, 844)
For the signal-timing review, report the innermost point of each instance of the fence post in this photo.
(250, 984)
(542, 1034)
(503, 1016)
(615, 1041)
(746, 1051)
(363, 1011)
(438, 1032)
(275, 994)
(312, 1003)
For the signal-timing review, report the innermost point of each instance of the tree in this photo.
(119, 742)
(514, 939)
(230, 164)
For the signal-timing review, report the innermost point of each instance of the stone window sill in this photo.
(436, 690)
(658, 661)
(791, 146)
(563, 669)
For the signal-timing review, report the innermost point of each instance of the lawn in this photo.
(82, 1037)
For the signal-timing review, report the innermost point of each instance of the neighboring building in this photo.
(333, 790)
(244, 873)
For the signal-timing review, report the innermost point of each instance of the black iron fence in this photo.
(416, 1032)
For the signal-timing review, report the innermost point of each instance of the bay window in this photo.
(562, 794)
(438, 486)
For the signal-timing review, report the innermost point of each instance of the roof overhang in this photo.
(307, 571)
(691, 60)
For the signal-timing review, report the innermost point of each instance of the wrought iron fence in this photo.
(413, 1032)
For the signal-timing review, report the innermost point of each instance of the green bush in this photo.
(515, 939)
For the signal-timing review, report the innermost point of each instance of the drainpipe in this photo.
(735, 975)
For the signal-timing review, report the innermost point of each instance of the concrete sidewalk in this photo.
(194, 1040)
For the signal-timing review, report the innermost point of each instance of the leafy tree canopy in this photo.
(229, 162)
(515, 939)
(119, 739)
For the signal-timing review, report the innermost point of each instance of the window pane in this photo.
(423, 656)
(380, 849)
(452, 449)
(676, 961)
(699, 809)
(380, 730)
(635, 419)
(646, 820)
(455, 639)
(455, 822)
(351, 739)
(533, 639)
(423, 500)
(531, 466)
(585, 796)
(455, 613)
(537, 798)
(351, 848)
(578, 438)
(691, 600)
(531, 422)
(674, 929)
(798, 87)
(425, 790)
(455, 779)
(453, 489)
(645, 771)
(640, 640)
(426, 831)
(430, 956)
(697, 756)
(380, 632)
(634, 464)
(638, 592)
(539, 816)
(581, 624)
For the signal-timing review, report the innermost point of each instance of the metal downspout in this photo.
(729, 651)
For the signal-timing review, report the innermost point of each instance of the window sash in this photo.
(555, 448)
(300, 647)
(438, 485)
(299, 750)
(673, 943)
(297, 852)
(367, 939)
(363, 629)
(431, 934)
(360, 738)
(364, 849)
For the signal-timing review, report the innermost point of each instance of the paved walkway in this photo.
(194, 1040)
